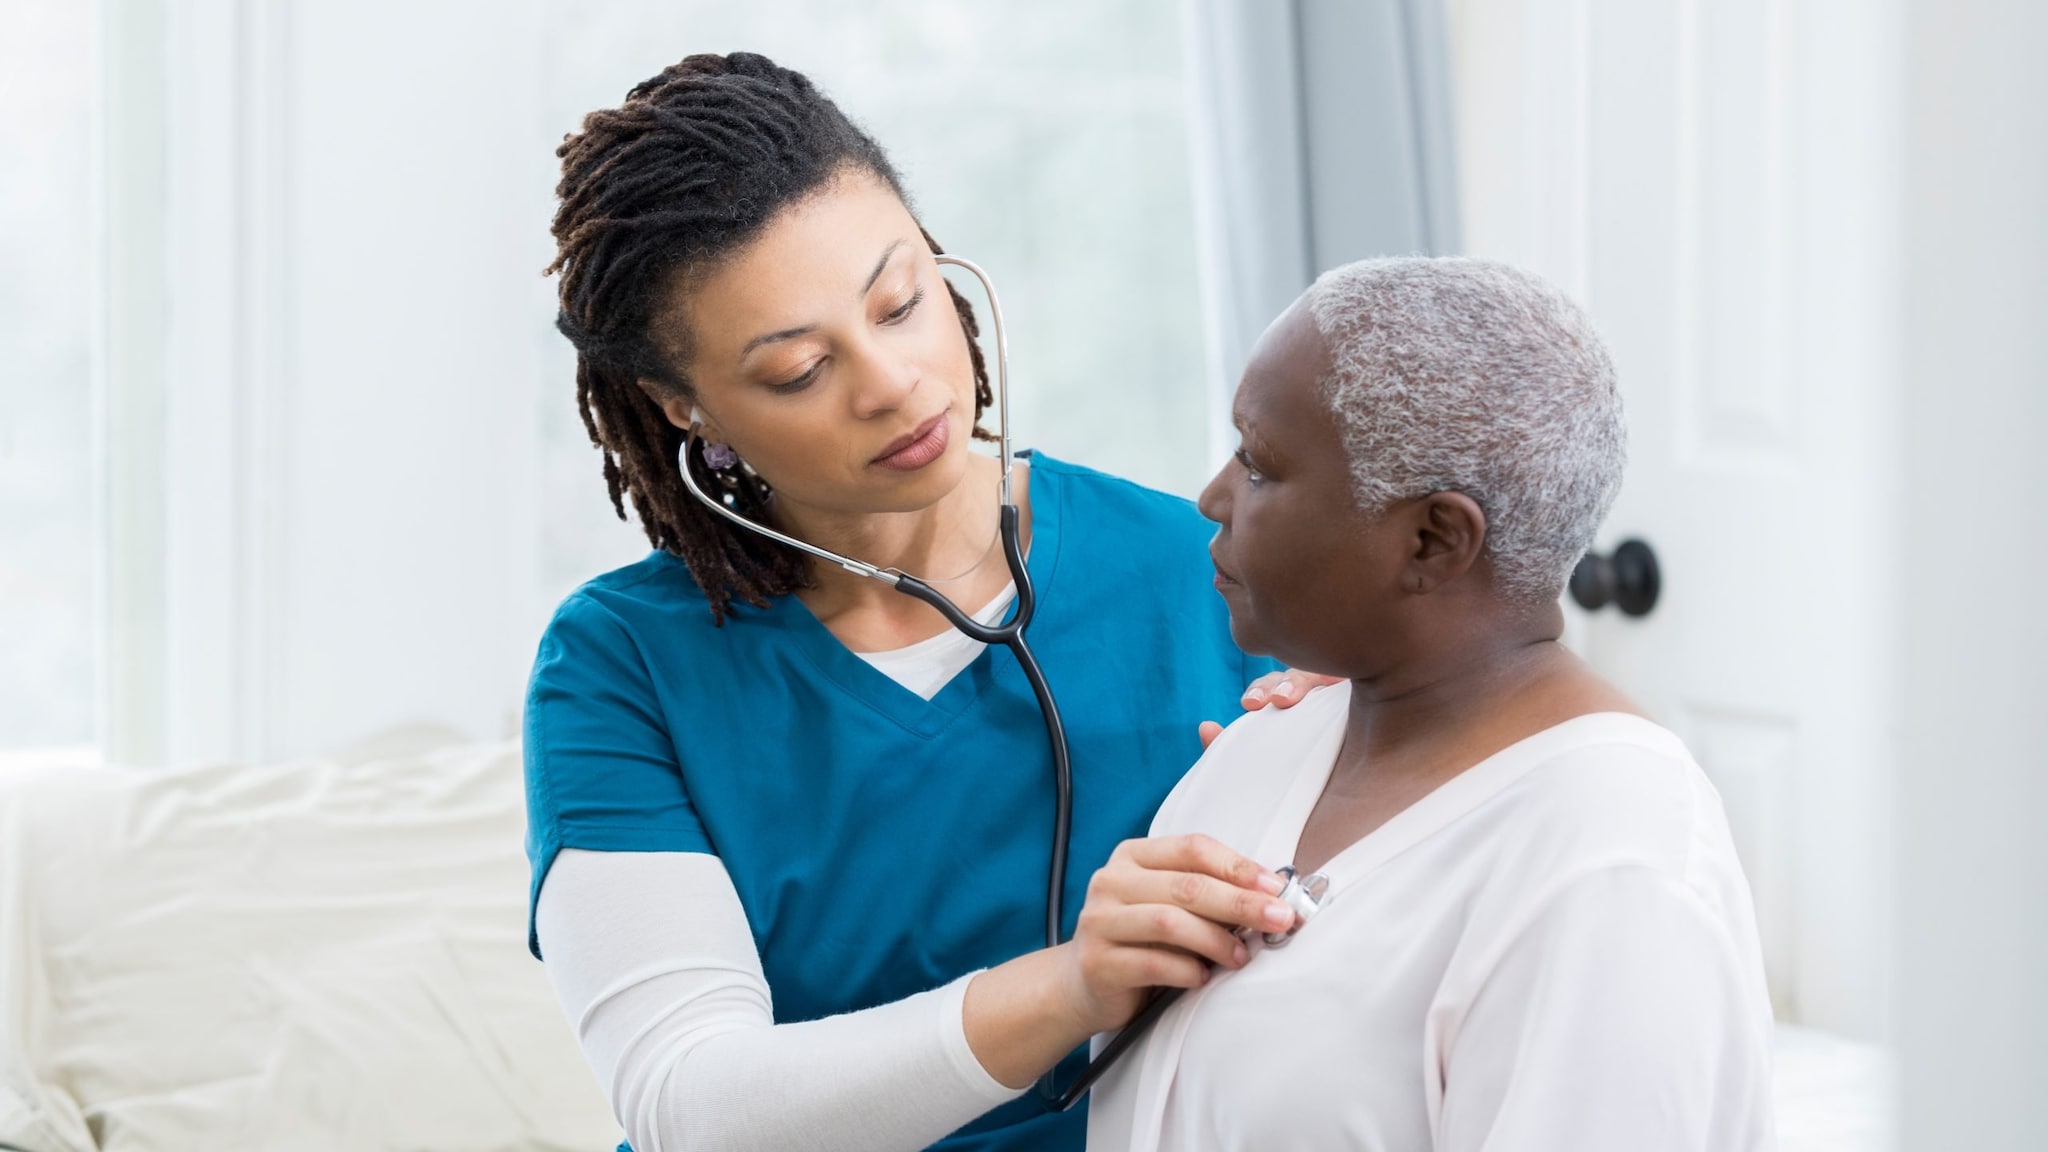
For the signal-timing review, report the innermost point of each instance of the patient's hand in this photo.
(1282, 689)
(1159, 914)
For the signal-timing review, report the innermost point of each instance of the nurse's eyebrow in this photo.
(807, 329)
(772, 337)
(879, 265)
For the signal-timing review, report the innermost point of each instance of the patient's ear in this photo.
(1450, 536)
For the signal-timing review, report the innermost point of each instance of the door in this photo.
(1712, 181)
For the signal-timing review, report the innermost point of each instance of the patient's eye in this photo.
(1251, 473)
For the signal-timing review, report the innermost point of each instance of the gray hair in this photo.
(1458, 375)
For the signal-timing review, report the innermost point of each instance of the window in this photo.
(1047, 141)
(50, 520)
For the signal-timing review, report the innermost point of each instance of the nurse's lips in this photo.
(1224, 580)
(917, 448)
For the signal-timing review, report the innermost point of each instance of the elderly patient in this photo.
(1536, 934)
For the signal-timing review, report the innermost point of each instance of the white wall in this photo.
(357, 223)
(1974, 858)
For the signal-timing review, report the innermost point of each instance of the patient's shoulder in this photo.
(1253, 764)
(1608, 787)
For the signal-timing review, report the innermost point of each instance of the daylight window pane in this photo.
(1046, 140)
(49, 521)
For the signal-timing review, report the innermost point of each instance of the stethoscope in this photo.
(1301, 894)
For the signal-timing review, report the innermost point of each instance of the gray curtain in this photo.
(1321, 134)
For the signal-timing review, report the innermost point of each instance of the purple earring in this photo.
(720, 456)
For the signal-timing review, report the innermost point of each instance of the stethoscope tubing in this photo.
(1010, 634)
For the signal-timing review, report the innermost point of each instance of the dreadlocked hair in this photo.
(692, 166)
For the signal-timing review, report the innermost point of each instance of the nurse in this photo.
(1536, 936)
(789, 831)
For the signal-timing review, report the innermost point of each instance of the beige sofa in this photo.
(304, 957)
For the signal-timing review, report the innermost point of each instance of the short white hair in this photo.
(1459, 375)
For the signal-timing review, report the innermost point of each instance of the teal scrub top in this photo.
(883, 844)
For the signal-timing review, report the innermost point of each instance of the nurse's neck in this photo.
(951, 544)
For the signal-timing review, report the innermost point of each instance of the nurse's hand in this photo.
(1160, 914)
(1282, 689)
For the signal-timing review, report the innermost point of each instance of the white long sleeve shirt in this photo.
(1553, 952)
(654, 963)
(652, 959)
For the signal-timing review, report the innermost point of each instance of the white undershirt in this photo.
(1555, 951)
(927, 666)
(654, 963)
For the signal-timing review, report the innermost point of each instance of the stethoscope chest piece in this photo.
(1305, 895)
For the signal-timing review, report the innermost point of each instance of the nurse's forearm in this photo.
(655, 965)
(1159, 915)
(1019, 1019)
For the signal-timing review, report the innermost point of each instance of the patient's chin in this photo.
(1257, 641)
(1242, 633)
(1249, 632)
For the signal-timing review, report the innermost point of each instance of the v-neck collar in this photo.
(875, 688)
(1429, 815)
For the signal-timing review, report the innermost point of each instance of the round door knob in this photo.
(1628, 579)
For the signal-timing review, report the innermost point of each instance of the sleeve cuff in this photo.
(953, 1036)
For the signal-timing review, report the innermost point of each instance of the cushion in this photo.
(310, 956)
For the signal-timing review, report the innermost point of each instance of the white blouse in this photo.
(1554, 951)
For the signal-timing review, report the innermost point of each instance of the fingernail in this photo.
(1279, 915)
(1284, 688)
(1270, 884)
(1240, 956)
(1255, 696)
